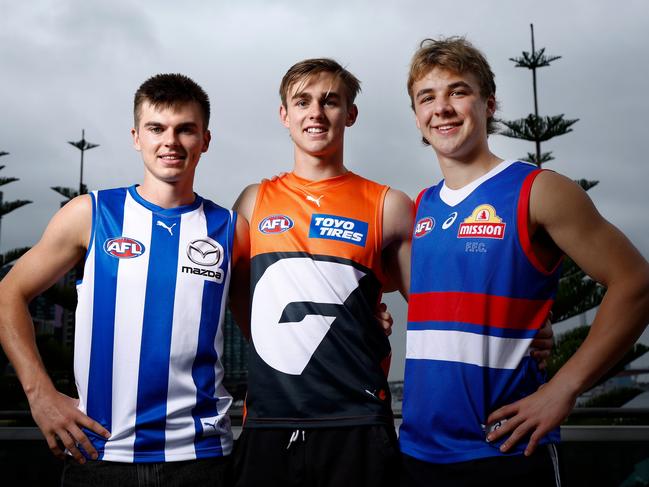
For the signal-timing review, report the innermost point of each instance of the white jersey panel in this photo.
(129, 311)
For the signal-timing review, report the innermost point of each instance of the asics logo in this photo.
(162, 224)
(449, 221)
(314, 200)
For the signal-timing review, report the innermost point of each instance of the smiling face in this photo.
(316, 114)
(452, 115)
(171, 140)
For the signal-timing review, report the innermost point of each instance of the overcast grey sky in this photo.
(69, 65)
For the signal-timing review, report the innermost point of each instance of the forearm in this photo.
(19, 344)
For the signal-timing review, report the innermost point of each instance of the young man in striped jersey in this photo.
(475, 408)
(158, 260)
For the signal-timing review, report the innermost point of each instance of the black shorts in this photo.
(541, 469)
(321, 457)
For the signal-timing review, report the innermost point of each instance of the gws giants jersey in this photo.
(478, 296)
(148, 328)
(318, 358)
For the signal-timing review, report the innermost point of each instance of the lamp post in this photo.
(83, 145)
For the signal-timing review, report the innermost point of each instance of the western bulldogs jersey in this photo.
(148, 338)
(318, 358)
(478, 296)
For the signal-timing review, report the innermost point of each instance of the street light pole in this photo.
(83, 145)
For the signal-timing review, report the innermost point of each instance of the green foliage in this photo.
(4, 181)
(577, 292)
(536, 59)
(568, 343)
(9, 206)
(69, 193)
(537, 129)
(614, 398)
(545, 157)
(586, 184)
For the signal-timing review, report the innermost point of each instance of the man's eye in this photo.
(156, 130)
(458, 93)
(301, 104)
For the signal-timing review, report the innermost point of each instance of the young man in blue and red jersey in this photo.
(486, 251)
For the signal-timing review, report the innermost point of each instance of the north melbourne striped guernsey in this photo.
(148, 337)
(478, 296)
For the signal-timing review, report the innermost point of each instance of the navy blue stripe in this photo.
(203, 371)
(471, 328)
(109, 224)
(153, 376)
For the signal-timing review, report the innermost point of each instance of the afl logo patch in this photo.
(275, 224)
(424, 226)
(123, 247)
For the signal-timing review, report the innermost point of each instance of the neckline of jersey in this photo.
(294, 179)
(178, 210)
(453, 197)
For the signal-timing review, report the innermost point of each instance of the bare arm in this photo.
(240, 284)
(62, 245)
(560, 208)
(398, 216)
(240, 280)
(245, 203)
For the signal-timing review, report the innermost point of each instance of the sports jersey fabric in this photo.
(478, 297)
(148, 337)
(318, 356)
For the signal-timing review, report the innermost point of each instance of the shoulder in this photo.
(554, 196)
(245, 203)
(398, 215)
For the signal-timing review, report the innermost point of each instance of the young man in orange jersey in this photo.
(325, 244)
(475, 407)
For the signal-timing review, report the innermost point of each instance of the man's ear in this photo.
(491, 106)
(136, 139)
(352, 115)
(283, 116)
(207, 137)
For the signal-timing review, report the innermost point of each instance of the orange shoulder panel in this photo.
(340, 216)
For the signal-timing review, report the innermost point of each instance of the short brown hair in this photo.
(170, 89)
(454, 54)
(309, 67)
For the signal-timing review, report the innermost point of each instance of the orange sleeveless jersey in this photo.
(318, 358)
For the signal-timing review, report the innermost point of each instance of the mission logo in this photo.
(483, 223)
(123, 247)
(275, 224)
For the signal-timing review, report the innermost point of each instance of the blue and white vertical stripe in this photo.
(148, 330)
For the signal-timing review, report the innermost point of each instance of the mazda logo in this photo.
(205, 251)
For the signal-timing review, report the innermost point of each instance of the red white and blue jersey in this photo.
(478, 296)
(149, 340)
